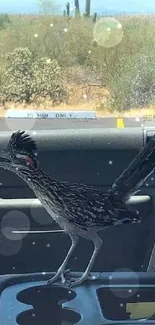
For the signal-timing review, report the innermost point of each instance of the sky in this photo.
(100, 6)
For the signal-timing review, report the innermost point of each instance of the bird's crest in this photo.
(21, 141)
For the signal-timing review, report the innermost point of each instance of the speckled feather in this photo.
(82, 205)
(78, 206)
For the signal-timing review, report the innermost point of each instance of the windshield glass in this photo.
(80, 59)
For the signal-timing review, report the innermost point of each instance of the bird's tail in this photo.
(142, 166)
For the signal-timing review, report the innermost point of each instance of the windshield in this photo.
(77, 60)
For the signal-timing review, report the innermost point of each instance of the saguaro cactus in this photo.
(87, 9)
(68, 9)
(77, 8)
(95, 17)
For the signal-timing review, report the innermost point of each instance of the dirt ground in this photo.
(99, 113)
(83, 98)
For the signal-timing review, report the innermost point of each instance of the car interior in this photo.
(32, 246)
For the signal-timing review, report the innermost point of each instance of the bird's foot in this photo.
(59, 274)
(69, 281)
(72, 282)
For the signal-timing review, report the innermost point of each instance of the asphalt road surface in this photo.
(53, 124)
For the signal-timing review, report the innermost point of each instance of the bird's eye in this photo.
(28, 159)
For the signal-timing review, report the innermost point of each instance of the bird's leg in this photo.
(60, 272)
(97, 246)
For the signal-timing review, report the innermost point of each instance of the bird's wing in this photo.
(90, 206)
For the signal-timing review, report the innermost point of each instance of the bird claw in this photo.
(57, 276)
(70, 281)
(74, 282)
(63, 279)
(78, 281)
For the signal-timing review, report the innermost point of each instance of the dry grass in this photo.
(81, 107)
(82, 98)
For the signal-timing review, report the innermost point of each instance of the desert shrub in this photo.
(18, 73)
(47, 80)
(26, 79)
(134, 84)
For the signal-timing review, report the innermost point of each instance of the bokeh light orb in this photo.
(108, 32)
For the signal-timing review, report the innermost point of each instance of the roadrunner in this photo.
(81, 210)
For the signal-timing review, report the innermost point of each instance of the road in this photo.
(53, 124)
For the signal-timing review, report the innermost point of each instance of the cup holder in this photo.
(124, 297)
(127, 303)
(47, 306)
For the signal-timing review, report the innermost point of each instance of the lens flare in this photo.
(108, 32)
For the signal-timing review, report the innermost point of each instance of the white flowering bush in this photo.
(18, 76)
(47, 80)
(26, 79)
